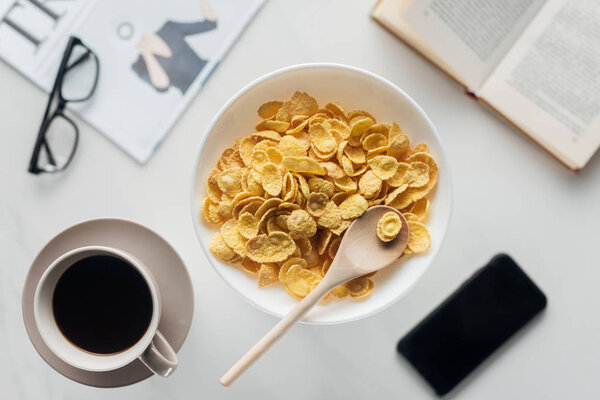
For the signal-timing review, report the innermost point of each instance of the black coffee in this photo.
(102, 304)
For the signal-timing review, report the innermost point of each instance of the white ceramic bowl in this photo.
(355, 89)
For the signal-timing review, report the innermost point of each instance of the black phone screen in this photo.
(473, 322)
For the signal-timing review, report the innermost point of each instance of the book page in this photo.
(471, 36)
(549, 83)
(389, 14)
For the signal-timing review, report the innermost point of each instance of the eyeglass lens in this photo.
(60, 142)
(80, 75)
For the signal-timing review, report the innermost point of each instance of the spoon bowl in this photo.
(360, 252)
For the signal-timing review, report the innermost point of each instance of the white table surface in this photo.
(508, 196)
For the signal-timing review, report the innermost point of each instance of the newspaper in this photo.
(154, 56)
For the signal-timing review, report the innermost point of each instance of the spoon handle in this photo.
(264, 344)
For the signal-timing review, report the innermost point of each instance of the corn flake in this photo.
(355, 154)
(269, 109)
(316, 203)
(417, 174)
(271, 179)
(322, 186)
(383, 166)
(369, 184)
(301, 224)
(334, 171)
(357, 287)
(290, 146)
(331, 217)
(303, 164)
(322, 139)
(340, 291)
(374, 141)
(360, 125)
(232, 237)
(274, 247)
(301, 281)
(230, 181)
(421, 208)
(247, 225)
(267, 274)
(418, 239)
(220, 249)
(353, 207)
(389, 226)
(250, 266)
(346, 184)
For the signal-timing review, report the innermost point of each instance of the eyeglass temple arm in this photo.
(51, 159)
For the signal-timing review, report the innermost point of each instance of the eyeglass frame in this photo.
(60, 107)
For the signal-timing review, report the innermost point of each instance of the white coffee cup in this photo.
(152, 348)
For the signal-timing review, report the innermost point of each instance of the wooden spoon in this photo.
(360, 252)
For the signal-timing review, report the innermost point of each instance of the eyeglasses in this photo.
(58, 135)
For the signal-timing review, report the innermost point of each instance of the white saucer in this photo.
(163, 262)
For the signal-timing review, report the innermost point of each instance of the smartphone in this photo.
(472, 323)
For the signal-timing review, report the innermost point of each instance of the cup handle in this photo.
(160, 357)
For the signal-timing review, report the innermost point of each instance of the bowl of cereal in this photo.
(291, 160)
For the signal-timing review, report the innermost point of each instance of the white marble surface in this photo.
(509, 196)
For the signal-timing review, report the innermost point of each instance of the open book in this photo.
(536, 63)
(154, 56)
